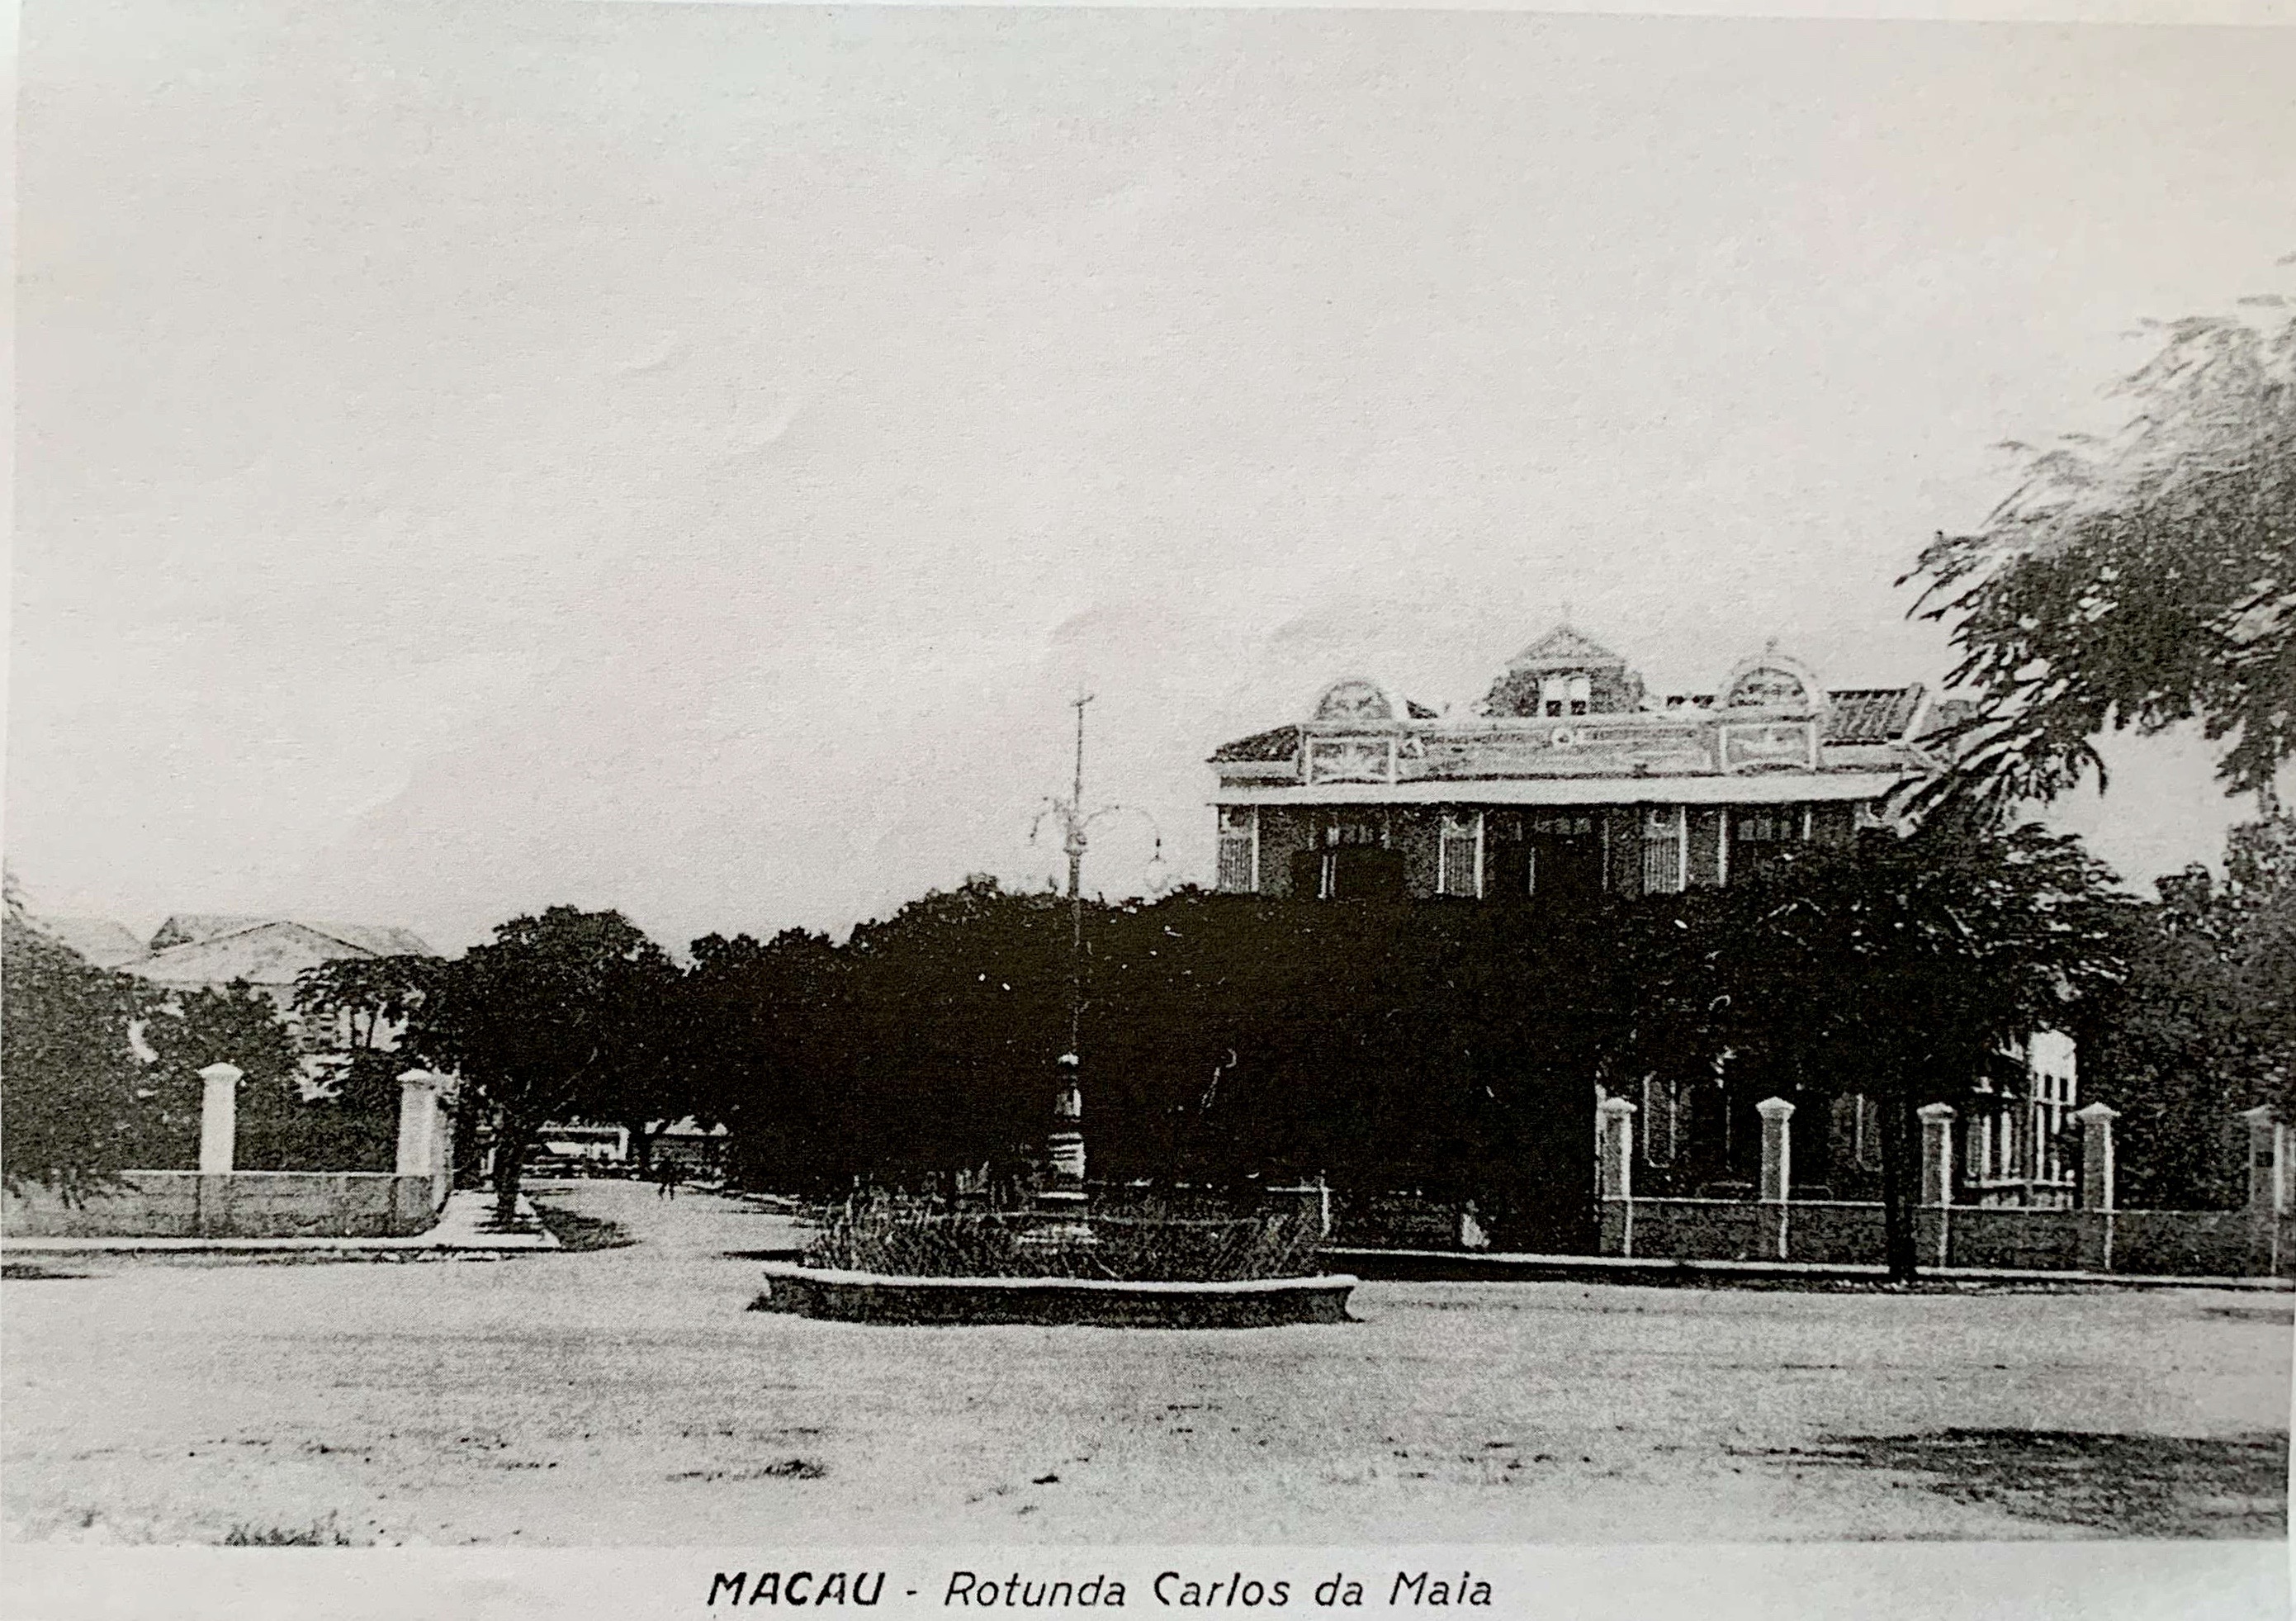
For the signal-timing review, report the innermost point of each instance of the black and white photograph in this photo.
(1018, 788)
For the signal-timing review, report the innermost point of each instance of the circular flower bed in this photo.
(878, 1297)
(879, 1260)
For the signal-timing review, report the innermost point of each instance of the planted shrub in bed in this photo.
(1145, 1244)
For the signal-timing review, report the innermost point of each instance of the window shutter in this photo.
(1461, 836)
(1663, 840)
(1238, 836)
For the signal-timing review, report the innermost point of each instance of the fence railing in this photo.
(2258, 1240)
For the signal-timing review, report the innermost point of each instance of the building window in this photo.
(1661, 1121)
(1460, 859)
(1239, 848)
(1351, 858)
(1566, 694)
(1760, 835)
(1665, 834)
(1866, 1134)
(1350, 832)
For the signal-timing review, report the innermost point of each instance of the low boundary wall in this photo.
(2163, 1243)
(234, 1204)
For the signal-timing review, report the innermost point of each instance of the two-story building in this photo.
(1570, 781)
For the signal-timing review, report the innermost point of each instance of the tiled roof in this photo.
(1871, 714)
(1280, 744)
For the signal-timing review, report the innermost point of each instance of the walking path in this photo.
(625, 1396)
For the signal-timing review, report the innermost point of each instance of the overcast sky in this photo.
(685, 459)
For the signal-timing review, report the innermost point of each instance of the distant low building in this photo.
(695, 1150)
(207, 952)
(103, 942)
(195, 951)
(605, 1145)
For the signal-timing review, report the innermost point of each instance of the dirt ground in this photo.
(627, 1396)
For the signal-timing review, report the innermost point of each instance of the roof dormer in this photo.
(1774, 681)
(1562, 674)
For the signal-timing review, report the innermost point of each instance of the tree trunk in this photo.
(640, 1146)
(510, 1146)
(1899, 1176)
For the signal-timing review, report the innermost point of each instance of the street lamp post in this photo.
(1066, 1143)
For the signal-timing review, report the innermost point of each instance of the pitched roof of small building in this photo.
(184, 927)
(187, 928)
(261, 951)
(102, 942)
(382, 941)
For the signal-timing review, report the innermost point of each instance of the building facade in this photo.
(1567, 781)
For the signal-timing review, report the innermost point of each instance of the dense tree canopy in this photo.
(2143, 581)
(1896, 968)
(551, 1019)
(69, 1069)
(2205, 1024)
(1441, 1046)
(188, 1030)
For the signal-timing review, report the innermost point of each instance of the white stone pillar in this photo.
(1614, 1169)
(1777, 1149)
(1937, 1176)
(1777, 1166)
(2268, 1162)
(219, 1118)
(2096, 1186)
(2096, 1154)
(418, 1123)
(1617, 1116)
(1937, 1154)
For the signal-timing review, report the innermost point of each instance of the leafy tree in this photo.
(2143, 581)
(2260, 881)
(758, 1030)
(371, 999)
(188, 1030)
(2203, 1028)
(69, 1073)
(1896, 968)
(550, 1019)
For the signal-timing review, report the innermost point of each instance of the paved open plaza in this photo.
(628, 1396)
